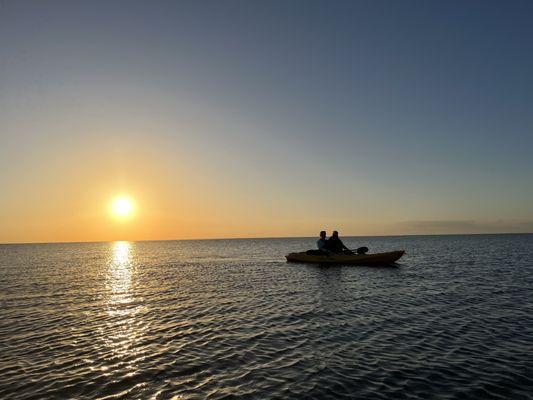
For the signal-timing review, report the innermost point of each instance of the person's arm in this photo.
(323, 245)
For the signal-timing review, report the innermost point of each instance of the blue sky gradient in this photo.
(343, 112)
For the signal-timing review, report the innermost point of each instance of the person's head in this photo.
(335, 234)
(322, 234)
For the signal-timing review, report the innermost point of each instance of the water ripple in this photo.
(229, 319)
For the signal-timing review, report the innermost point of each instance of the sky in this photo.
(264, 118)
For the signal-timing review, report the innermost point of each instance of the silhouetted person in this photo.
(335, 245)
(322, 243)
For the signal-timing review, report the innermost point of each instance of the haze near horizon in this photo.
(168, 120)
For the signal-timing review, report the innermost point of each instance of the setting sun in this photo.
(122, 207)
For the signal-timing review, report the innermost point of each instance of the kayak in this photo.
(357, 259)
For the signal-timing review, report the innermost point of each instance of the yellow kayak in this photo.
(357, 259)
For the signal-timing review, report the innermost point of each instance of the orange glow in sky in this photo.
(163, 121)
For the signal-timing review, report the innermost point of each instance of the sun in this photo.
(122, 207)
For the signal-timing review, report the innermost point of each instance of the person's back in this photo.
(334, 243)
(322, 243)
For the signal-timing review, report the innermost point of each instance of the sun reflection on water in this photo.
(120, 273)
(123, 326)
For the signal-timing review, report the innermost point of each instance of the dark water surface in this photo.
(230, 319)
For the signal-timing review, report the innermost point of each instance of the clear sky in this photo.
(264, 118)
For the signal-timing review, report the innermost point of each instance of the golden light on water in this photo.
(123, 327)
(122, 207)
(120, 272)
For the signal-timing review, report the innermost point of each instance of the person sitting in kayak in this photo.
(322, 243)
(335, 245)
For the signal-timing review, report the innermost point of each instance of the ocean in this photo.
(225, 319)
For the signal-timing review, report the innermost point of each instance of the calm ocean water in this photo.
(231, 319)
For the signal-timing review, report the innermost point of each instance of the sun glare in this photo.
(122, 207)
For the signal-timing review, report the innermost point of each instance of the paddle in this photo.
(360, 250)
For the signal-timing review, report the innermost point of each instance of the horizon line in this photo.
(265, 237)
